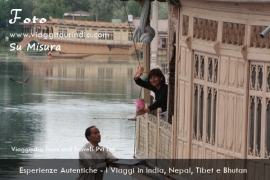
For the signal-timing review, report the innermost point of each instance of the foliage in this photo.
(163, 10)
(105, 10)
(47, 8)
(5, 7)
(134, 8)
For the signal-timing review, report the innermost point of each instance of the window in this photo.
(65, 33)
(60, 33)
(101, 35)
(80, 34)
(109, 36)
(259, 110)
(163, 42)
(205, 91)
(130, 36)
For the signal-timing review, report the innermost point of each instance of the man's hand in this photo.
(110, 161)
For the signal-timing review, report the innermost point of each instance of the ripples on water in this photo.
(47, 117)
(62, 98)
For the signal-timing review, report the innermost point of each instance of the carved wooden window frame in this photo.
(205, 75)
(259, 110)
(255, 40)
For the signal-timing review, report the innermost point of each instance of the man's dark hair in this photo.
(156, 72)
(88, 132)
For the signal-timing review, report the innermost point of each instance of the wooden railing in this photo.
(153, 138)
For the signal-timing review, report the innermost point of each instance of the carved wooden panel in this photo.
(268, 79)
(172, 21)
(181, 110)
(199, 64)
(187, 110)
(221, 119)
(186, 151)
(164, 144)
(152, 140)
(194, 152)
(212, 70)
(252, 77)
(198, 112)
(208, 154)
(178, 61)
(205, 29)
(171, 56)
(256, 41)
(259, 77)
(205, 93)
(200, 153)
(230, 121)
(223, 71)
(254, 130)
(241, 73)
(185, 24)
(233, 33)
(211, 115)
(239, 123)
(232, 71)
(179, 150)
(188, 61)
(183, 61)
(180, 154)
(142, 138)
(256, 77)
(267, 153)
(259, 110)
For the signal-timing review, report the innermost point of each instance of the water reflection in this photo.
(46, 118)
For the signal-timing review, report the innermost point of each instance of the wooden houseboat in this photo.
(78, 36)
(218, 98)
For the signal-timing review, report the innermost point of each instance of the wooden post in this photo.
(147, 135)
(146, 64)
(154, 44)
(159, 118)
(137, 136)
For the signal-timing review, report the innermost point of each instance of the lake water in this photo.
(46, 118)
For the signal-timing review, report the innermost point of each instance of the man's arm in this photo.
(86, 162)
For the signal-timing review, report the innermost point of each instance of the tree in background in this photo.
(78, 5)
(133, 8)
(162, 10)
(5, 8)
(105, 10)
(47, 8)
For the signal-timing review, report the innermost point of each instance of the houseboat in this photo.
(218, 97)
(80, 36)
